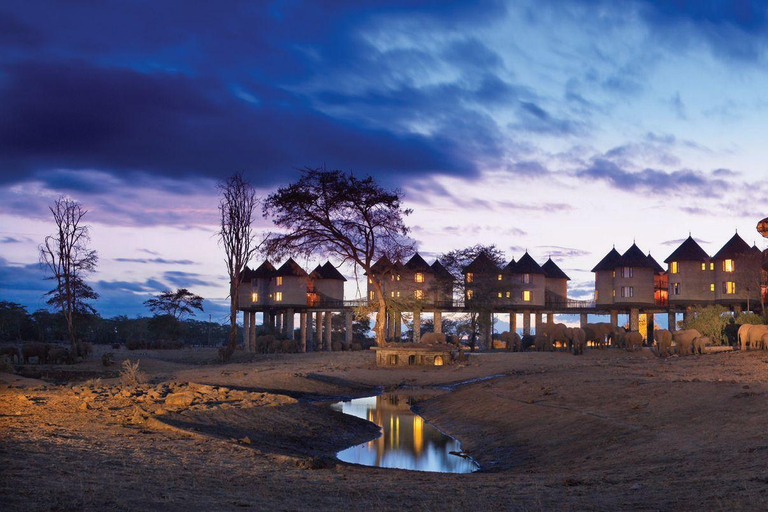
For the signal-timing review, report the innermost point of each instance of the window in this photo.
(729, 287)
(370, 281)
(279, 280)
(392, 277)
(438, 360)
(509, 294)
(712, 287)
(254, 297)
(703, 266)
(411, 360)
(675, 288)
(278, 296)
(526, 278)
(712, 266)
(613, 273)
(418, 294)
(419, 277)
(627, 272)
(398, 277)
(526, 296)
(613, 293)
(674, 268)
(371, 295)
(596, 295)
(728, 265)
(627, 291)
(392, 360)
(391, 294)
(394, 294)
(470, 277)
(499, 277)
(498, 295)
(470, 294)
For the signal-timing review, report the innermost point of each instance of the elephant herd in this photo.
(754, 336)
(44, 353)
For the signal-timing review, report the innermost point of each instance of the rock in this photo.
(160, 412)
(245, 440)
(84, 406)
(180, 399)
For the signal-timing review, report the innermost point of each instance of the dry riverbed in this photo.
(607, 431)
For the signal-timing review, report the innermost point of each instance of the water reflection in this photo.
(407, 442)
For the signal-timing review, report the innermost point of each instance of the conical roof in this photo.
(552, 271)
(382, 266)
(634, 257)
(511, 266)
(265, 270)
(247, 275)
(658, 269)
(689, 250)
(417, 264)
(440, 271)
(732, 248)
(291, 268)
(331, 272)
(482, 264)
(609, 262)
(527, 265)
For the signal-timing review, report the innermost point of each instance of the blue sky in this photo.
(560, 128)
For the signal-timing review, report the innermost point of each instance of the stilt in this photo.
(512, 321)
(538, 322)
(526, 322)
(288, 324)
(303, 331)
(437, 320)
(688, 315)
(416, 326)
(550, 318)
(634, 319)
(398, 326)
(247, 331)
(328, 330)
(348, 328)
(318, 331)
(650, 326)
(252, 334)
(614, 318)
(583, 320)
(672, 320)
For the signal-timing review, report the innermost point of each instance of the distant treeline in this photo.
(17, 324)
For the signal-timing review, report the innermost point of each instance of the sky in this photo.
(558, 127)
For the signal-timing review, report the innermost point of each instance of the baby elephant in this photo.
(58, 355)
(663, 342)
(699, 342)
(633, 340)
(684, 340)
(543, 343)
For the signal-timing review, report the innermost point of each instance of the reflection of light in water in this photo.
(410, 444)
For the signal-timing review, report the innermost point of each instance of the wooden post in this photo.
(583, 320)
(512, 321)
(398, 319)
(550, 318)
(649, 323)
(672, 320)
(303, 329)
(437, 320)
(348, 329)
(416, 326)
(318, 331)
(688, 314)
(538, 322)
(252, 335)
(288, 324)
(328, 330)
(614, 318)
(247, 331)
(526, 322)
(634, 319)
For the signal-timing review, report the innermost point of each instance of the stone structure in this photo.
(415, 354)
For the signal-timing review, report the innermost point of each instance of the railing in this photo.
(563, 303)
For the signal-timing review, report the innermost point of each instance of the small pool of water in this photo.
(407, 441)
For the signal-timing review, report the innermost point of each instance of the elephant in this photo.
(663, 342)
(556, 332)
(631, 340)
(700, 342)
(684, 340)
(511, 340)
(433, 338)
(543, 343)
(754, 336)
(39, 350)
(578, 341)
(743, 335)
(527, 341)
(12, 353)
(58, 355)
(452, 339)
(764, 340)
(599, 332)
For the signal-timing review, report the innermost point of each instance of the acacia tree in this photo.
(484, 287)
(751, 278)
(177, 304)
(68, 259)
(334, 213)
(237, 207)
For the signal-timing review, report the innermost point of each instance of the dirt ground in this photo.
(610, 430)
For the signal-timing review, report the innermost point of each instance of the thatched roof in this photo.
(689, 250)
(527, 265)
(482, 264)
(609, 262)
(732, 249)
(510, 268)
(658, 269)
(290, 269)
(634, 257)
(552, 271)
(417, 264)
(440, 271)
(264, 271)
(328, 271)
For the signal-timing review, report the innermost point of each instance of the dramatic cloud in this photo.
(160, 261)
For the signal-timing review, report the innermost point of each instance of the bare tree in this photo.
(237, 207)
(751, 278)
(67, 257)
(334, 213)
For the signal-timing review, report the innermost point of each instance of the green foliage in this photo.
(749, 318)
(709, 321)
(15, 322)
(176, 304)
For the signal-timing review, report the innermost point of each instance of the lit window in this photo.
(398, 295)
(470, 277)
(419, 294)
(254, 297)
(371, 295)
(509, 294)
(419, 277)
(392, 277)
(470, 294)
(499, 277)
(613, 292)
(627, 272)
(526, 278)
(279, 281)
(498, 295)
(712, 287)
(728, 265)
(398, 277)
(278, 296)
(675, 288)
(526, 296)
(596, 295)
(729, 287)
(613, 273)
(392, 294)
(703, 266)
(370, 281)
(627, 291)
(673, 268)
(712, 266)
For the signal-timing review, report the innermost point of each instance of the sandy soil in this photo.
(607, 431)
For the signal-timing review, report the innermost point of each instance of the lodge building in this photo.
(631, 282)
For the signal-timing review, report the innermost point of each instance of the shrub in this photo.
(130, 375)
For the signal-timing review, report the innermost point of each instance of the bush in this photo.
(130, 375)
(709, 321)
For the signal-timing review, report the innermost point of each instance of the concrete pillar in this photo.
(266, 321)
(252, 334)
(348, 327)
(416, 326)
(672, 320)
(650, 324)
(247, 330)
(583, 320)
(318, 330)
(280, 323)
(437, 320)
(328, 330)
(288, 324)
(550, 318)
(398, 320)
(526, 322)
(538, 322)
(485, 342)
(512, 321)
(634, 319)
(614, 318)
(303, 333)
